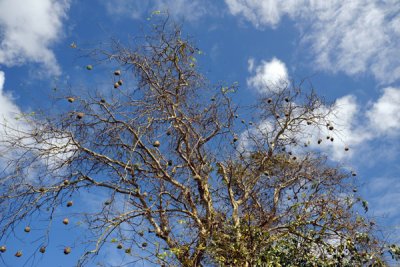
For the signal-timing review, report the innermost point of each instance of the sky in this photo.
(347, 50)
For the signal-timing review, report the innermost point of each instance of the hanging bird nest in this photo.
(80, 115)
(156, 143)
(67, 250)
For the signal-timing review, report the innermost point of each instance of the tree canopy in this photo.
(189, 180)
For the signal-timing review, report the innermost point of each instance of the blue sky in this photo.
(349, 50)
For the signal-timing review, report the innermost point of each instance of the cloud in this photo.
(348, 131)
(384, 116)
(354, 124)
(260, 13)
(8, 110)
(9, 125)
(353, 37)
(189, 10)
(16, 137)
(345, 114)
(273, 75)
(269, 75)
(29, 29)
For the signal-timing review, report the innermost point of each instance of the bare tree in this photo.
(188, 181)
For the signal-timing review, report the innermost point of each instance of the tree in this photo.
(188, 181)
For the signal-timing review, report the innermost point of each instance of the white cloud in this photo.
(347, 129)
(269, 75)
(28, 29)
(384, 116)
(189, 10)
(9, 126)
(250, 64)
(342, 116)
(8, 110)
(354, 126)
(353, 37)
(16, 136)
(263, 12)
